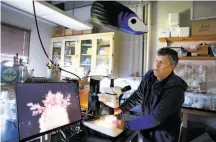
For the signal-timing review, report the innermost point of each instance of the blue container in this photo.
(10, 75)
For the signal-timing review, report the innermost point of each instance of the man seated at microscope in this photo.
(161, 95)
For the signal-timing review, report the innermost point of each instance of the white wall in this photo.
(160, 11)
(37, 58)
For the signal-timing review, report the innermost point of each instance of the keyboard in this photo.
(213, 48)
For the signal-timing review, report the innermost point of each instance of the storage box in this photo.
(204, 27)
(58, 31)
(87, 31)
(184, 31)
(10, 75)
(77, 32)
(202, 49)
(68, 32)
(174, 31)
(173, 19)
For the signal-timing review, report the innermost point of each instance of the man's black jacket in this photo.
(161, 105)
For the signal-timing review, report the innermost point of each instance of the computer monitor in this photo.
(46, 107)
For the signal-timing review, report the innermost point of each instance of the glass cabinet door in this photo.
(56, 52)
(86, 55)
(69, 58)
(69, 53)
(103, 56)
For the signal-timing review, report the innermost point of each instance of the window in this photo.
(14, 40)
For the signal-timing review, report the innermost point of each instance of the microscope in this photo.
(111, 98)
(102, 104)
(101, 107)
(93, 101)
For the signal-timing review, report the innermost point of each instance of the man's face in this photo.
(162, 67)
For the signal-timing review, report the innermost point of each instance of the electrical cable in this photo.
(85, 132)
(43, 46)
(73, 132)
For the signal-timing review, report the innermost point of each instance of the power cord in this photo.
(43, 46)
(75, 131)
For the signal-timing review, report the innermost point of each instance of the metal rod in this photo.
(73, 8)
(148, 37)
(143, 45)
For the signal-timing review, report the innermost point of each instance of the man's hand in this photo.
(118, 123)
(117, 111)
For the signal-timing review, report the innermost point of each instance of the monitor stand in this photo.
(54, 136)
(44, 138)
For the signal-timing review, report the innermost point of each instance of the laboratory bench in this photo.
(93, 136)
(186, 111)
(11, 135)
(9, 130)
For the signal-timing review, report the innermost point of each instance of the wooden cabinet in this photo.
(95, 52)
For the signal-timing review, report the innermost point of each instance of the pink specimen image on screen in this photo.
(53, 113)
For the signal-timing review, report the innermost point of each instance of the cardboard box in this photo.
(94, 30)
(204, 28)
(58, 31)
(174, 31)
(202, 49)
(184, 31)
(173, 19)
(87, 31)
(68, 32)
(77, 32)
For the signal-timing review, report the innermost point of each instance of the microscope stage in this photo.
(104, 125)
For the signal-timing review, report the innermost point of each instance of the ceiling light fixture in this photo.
(50, 13)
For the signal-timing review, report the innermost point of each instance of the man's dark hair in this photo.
(172, 54)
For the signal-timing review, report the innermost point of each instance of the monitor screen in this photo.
(43, 107)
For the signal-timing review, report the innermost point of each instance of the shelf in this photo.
(102, 54)
(103, 45)
(70, 46)
(86, 44)
(187, 39)
(85, 64)
(68, 66)
(86, 54)
(197, 58)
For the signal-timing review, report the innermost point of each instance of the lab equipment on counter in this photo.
(200, 101)
(54, 72)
